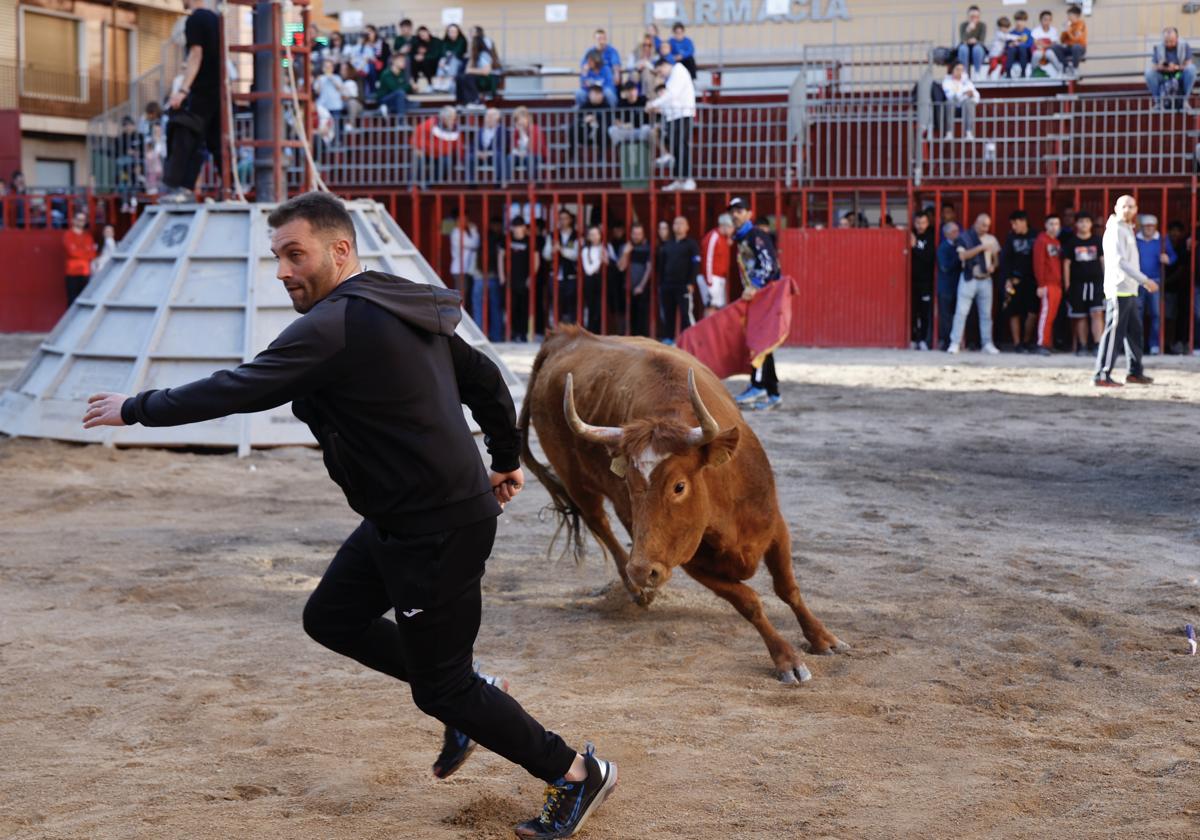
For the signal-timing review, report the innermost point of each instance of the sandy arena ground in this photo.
(1011, 554)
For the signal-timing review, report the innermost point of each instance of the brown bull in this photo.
(665, 443)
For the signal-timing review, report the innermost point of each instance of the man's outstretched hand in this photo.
(105, 410)
(505, 485)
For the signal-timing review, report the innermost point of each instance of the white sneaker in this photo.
(949, 135)
(991, 350)
(665, 160)
(383, 110)
(673, 186)
(953, 349)
(1028, 71)
(1154, 351)
(921, 345)
(688, 185)
(970, 135)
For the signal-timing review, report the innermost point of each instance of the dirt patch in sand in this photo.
(1011, 555)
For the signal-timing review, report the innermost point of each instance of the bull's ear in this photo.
(721, 449)
(619, 466)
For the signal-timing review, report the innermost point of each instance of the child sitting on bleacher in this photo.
(997, 57)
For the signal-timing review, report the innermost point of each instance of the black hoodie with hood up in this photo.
(379, 376)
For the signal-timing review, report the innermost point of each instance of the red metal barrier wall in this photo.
(853, 286)
(33, 294)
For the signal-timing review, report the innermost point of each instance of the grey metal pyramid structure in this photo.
(190, 290)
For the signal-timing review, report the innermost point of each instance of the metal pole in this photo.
(264, 119)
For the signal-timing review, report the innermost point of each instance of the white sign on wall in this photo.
(778, 7)
(556, 13)
(454, 15)
(665, 10)
(351, 19)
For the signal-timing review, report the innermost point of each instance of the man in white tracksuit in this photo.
(1122, 276)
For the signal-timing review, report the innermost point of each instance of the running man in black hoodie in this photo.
(375, 369)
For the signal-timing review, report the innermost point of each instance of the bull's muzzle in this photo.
(649, 575)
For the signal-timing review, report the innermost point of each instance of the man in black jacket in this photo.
(375, 369)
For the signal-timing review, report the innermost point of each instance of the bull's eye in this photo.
(679, 488)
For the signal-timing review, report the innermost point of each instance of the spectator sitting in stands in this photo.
(1074, 41)
(350, 97)
(394, 87)
(476, 76)
(595, 118)
(1172, 72)
(640, 67)
(683, 51)
(425, 51)
(528, 146)
(1153, 253)
(998, 52)
(489, 149)
(437, 145)
(596, 74)
(609, 58)
(403, 41)
(369, 57)
(1020, 51)
(972, 34)
(1045, 43)
(451, 59)
(334, 50)
(629, 120)
(961, 98)
(652, 31)
(328, 90)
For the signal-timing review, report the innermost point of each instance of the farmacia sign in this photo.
(735, 12)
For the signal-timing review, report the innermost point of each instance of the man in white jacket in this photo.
(1122, 276)
(677, 104)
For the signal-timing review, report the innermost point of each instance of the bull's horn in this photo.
(603, 435)
(708, 428)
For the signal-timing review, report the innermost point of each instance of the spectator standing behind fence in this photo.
(1074, 41)
(1020, 286)
(464, 263)
(977, 250)
(528, 146)
(683, 51)
(394, 86)
(517, 268)
(961, 98)
(1047, 270)
(195, 107)
(639, 69)
(593, 261)
(1046, 42)
(972, 35)
(1083, 276)
(1019, 56)
(1172, 72)
(438, 146)
(998, 51)
(715, 252)
(108, 246)
(949, 268)
(81, 250)
(565, 244)
(680, 259)
(922, 246)
(1175, 289)
(1154, 253)
(635, 262)
(489, 150)
(614, 244)
(677, 104)
(1122, 279)
(595, 73)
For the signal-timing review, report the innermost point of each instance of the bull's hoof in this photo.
(795, 676)
(830, 647)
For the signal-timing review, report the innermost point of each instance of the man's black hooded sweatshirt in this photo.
(378, 374)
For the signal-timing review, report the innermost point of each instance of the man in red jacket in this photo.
(437, 146)
(1047, 269)
(714, 265)
(81, 250)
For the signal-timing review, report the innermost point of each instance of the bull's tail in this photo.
(561, 506)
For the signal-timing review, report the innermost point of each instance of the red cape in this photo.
(738, 338)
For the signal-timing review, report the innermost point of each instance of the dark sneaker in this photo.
(1044, 351)
(1105, 382)
(456, 746)
(1139, 379)
(569, 804)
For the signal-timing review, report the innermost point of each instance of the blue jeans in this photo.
(978, 292)
(396, 102)
(1018, 57)
(1155, 81)
(1148, 304)
(947, 294)
(971, 55)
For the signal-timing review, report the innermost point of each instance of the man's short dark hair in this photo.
(1018, 215)
(1021, 15)
(1003, 21)
(678, 26)
(661, 62)
(1074, 10)
(1175, 224)
(629, 85)
(406, 22)
(324, 213)
(1083, 214)
(1053, 216)
(1045, 12)
(972, 9)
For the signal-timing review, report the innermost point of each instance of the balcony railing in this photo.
(35, 90)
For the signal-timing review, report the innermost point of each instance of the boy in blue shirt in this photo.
(1020, 47)
(683, 51)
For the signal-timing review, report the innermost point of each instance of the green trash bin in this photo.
(635, 165)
